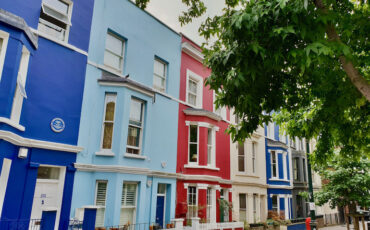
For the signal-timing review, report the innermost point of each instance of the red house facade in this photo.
(203, 152)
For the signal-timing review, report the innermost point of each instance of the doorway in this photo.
(48, 191)
(161, 205)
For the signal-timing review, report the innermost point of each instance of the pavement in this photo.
(340, 227)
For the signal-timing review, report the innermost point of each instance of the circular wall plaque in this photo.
(57, 125)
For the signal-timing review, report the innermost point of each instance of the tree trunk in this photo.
(356, 78)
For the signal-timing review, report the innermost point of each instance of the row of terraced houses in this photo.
(102, 104)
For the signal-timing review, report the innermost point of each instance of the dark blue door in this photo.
(160, 211)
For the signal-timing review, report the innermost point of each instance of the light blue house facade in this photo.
(278, 172)
(43, 57)
(129, 118)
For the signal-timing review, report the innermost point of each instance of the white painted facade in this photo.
(252, 180)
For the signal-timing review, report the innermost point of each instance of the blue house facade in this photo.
(129, 119)
(43, 56)
(278, 172)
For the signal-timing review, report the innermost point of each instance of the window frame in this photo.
(18, 97)
(208, 204)
(68, 23)
(243, 209)
(296, 175)
(304, 169)
(114, 95)
(136, 199)
(241, 145)
(277, 203)
(197, 143)
(5, 38)
(276, 164)
(121, 57)
(221, 111)
(192, 205)
(164, 89)
(212, 146)
(255, 197)
(271, 128)
(254, 157)
(140, 148)
(199, 95)
(105, 199)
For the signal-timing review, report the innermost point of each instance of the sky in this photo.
(168, 11)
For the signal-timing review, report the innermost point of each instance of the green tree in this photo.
(347, 184)
(307, 59)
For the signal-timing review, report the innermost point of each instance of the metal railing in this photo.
(141, 226)
(75, 225)
(331, 219)
(20, 224)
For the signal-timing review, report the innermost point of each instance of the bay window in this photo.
(209, 205)
(274, 166)
(135, 127)
(210, 147)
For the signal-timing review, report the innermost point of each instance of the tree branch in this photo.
(356, 78)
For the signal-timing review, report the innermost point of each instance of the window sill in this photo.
(276, 179)
(129, 155)
(12, 123)
(107, 153)
(201, 167)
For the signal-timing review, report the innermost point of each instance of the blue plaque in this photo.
(57, 125)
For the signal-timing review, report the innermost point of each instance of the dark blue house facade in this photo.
(43, 57)
(278, 172)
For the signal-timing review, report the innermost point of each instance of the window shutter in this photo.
(128, 202)
(101, 192)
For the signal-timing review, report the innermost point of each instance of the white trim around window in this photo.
(20, 90)
(4, 38)
(114, 52)
(107, 133)
(136, 124)
(160, 75)
(4, 176)
(192, 143)
(274, 153)
(198, 80)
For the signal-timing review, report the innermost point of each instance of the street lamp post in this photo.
(310, 190)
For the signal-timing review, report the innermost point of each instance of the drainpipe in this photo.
(310, 189)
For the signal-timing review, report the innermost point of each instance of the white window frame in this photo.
(285, 169)
(136, 198)
(242, 145)
(254, 157)
(211, 146)
(197, 143)
(209, 204)
(304, 168)
(296, 168)
(5, 37)
(278, 203)
(255, 197)
(246, 207)
(114, 96)
(141, 128)
(199, 80)
(271, 130)
(106, 195)
(161, 89)
(67, 23)
(196, 201)
(221, 111)
(21, 83)
(121, 57)
(276, 163)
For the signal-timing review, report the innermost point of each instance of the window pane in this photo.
(192, 99)
(241, 164)
(129, 194)
(241, 148)
(161, 189)
(108, 135)
(50, 173)
(133, 137)
(136, 112)
(242, 201)
(159, 68)
(112, 60)
(193, 153)
(114, 44)
(101, 192)
(193, 133)
(127, 216)
(57, 5)
(1, 44)
(193, 86)
(159, 83)
(109, 112)
(99, 222)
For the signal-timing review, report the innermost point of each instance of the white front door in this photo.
(48, 191)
